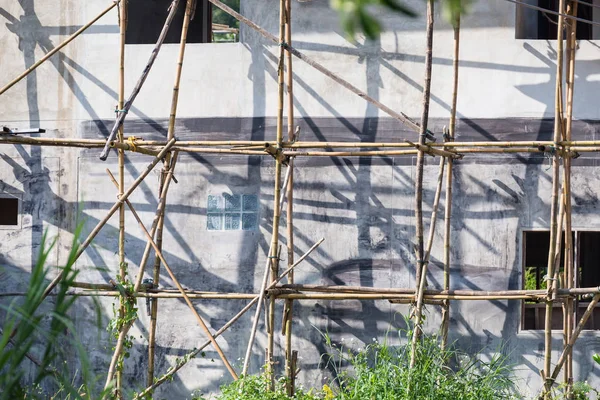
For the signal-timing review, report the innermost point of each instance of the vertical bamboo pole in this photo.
(273, 257)
(568, 318)
(121, 161)
(189, 11)
(289, 303)
(558, 126)
(154, 302)
(436, 203)
(263, 287)
(419, 174)
(448, 205)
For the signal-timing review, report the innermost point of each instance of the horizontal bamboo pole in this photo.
(256, 147)
(160, 295)
(58, 48)
(388, 296)
(373, 293)
(248, 306)
(99, 289)
(365, 289)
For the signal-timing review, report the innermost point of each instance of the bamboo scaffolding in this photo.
(189, 11)
(122, 113)
(568, 309)
(58, 48)
(121, 161)
(365, 294)
(569, 347)
(432, 226)
(399, 116)
(179, 287)
(554, 234)
(421, 262)
(110, 213)
(559, 147)
(152, 147)
(290, 367)
(255, 300)
(448, 200)
(263, 287)
(274, 255)
(125, 328)
(540, 293)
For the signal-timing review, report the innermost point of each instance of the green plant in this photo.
(380, 371)
(256, 387)
(124, 315)
(579, 391)
(28, 327)
(357, 15)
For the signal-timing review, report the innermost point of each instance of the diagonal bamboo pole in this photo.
(420, 265)
(58, 48)
(448, 199)
(558, 126)
(122, 113)
(103, 222)
(179, 287)
(255, 300)
(126, 327)
(569, 347)
(398, 116)
(111, 212)
(189, 11)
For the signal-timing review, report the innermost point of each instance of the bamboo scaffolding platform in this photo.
(561, 149)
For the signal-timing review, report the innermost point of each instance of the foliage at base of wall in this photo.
(380, 371)
(37, 338)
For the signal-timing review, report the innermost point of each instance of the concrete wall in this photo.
(362, 207)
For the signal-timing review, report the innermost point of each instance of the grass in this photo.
(381, 372)
(29, 329)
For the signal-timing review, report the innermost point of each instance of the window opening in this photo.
(232, 212)
(535, 24)
(9, 211)
(225, 28)
(145, 20)
(536, 245)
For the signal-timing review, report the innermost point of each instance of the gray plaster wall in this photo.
(362, 207)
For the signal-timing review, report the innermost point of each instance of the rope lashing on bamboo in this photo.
(277, 153)
(131, 142)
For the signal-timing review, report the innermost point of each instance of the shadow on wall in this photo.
(357, 192)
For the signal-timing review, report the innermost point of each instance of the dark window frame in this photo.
(12, 204)
(145, 19)
(533, 313)
(531, 24)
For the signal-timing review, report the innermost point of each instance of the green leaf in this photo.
(370, 26)
(596, 358)
(399, 7)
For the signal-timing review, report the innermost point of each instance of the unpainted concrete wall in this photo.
(362, 207)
